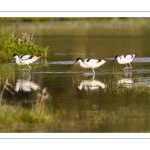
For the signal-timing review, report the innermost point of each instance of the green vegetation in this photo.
(13, 117)
(41, 119)
(48, 19)
(11, 43)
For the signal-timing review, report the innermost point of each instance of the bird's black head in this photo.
(78, 60)
(15, 55)
(116, 56)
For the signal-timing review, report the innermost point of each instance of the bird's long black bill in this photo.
(113, 60)
(74, 63)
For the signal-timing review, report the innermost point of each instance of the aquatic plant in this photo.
(23, 43)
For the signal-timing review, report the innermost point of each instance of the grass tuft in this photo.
(11, 43)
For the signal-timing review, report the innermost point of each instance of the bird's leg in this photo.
(130, 66)
(89, 74)
(93, 77)
(29, 67)
(93, 71)
(126, 67)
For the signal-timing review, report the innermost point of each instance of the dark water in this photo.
(87, 104)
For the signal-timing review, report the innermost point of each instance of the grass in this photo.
(11, 43)
(15, 116)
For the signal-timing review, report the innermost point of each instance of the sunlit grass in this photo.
(12, 43)
(16, 115)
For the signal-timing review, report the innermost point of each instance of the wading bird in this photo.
(25, 59)
(90, 63)
(125, 59)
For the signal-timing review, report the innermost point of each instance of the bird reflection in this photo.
(26, 85)
(127, 80)
(91, 85)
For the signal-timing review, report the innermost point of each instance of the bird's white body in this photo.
(25, 59)
(90, 63)
(125, 59)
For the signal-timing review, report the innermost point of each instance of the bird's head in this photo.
(104, 60)
(78, 60)
(15, 55)
(116, 58)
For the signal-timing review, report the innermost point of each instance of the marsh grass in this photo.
(11, 115)
(12, 43)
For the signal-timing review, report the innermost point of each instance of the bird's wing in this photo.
(25, 57)
(126, 56)
(129, 56)
(91, 61)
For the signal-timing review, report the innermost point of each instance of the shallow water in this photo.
(86, 103)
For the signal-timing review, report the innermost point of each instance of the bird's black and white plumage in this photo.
(90, 63)
(125, 59)
(25, 59)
